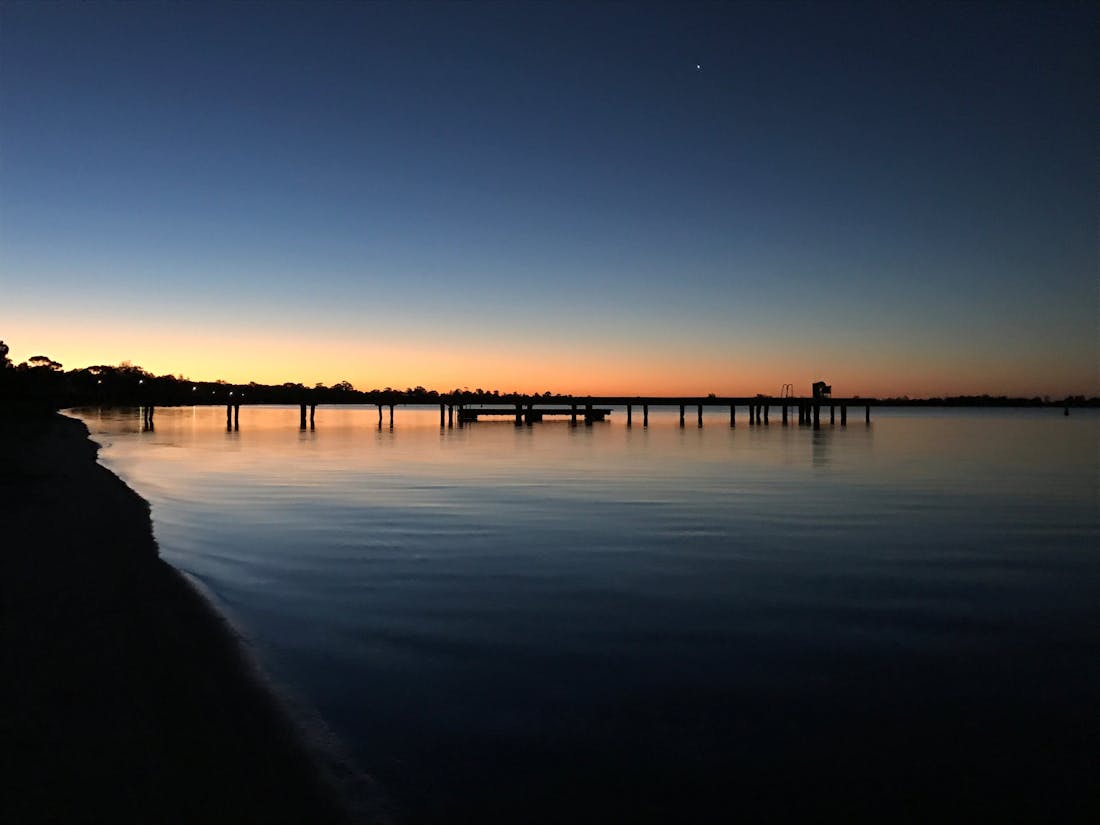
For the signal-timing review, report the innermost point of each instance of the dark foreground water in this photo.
(596, 624)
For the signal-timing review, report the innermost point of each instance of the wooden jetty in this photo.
(527, 410)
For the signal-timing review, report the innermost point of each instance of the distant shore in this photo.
(128, 698)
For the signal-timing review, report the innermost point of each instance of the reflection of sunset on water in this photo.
(441, 594)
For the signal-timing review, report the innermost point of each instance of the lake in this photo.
(601, 624)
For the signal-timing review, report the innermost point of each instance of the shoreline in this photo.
(129, 698)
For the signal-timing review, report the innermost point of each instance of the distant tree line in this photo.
(991, 401)
(42, 381)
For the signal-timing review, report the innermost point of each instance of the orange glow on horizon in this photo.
(578, 366)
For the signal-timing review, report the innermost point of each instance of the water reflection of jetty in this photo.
(456, 410)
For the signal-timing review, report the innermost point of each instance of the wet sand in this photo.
(128, 698)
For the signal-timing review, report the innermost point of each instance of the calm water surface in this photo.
(596, 624)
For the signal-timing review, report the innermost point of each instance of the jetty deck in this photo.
(527, 410)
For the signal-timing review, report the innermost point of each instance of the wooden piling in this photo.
(588, 415)
(236, 416)
(379, 416)
(784, 415)
(519, 415)
(733, 415)
(573, 415)
(645, 415)
(700, 415)
(629, 410)
(302, 417)
(868, 410)
(767, 409)
(442, 416)
(530, 415)
(843, 415)
(312, 415)
(817, 416)
(391, 416)
(832, 414)
(450, 415)
(681, 415)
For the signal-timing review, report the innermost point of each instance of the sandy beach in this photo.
(128, 698)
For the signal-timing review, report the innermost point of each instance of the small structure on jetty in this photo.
(529, 413)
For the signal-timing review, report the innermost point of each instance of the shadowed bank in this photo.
(127, 697)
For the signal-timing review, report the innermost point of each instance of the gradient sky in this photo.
(612, 198)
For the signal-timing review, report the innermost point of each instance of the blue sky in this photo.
(901, 196)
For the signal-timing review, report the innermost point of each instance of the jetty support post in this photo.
(573, 415)
(752, 414)
(767, 409)
(236, 416)
(530, 414)
(784, 415)
(450, 415)
(868, 409)
(391, 416)
(645, 415)
(733, 415)
(700, 415)
(832, 414)
(629, 410)
(442, 416)
(681, 415)
(379, 416)
(312, 415)
(843, 415)
(817, 416)
(302, 416)
(519, 414)
(588, 417)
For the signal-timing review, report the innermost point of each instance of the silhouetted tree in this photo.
(38, 361)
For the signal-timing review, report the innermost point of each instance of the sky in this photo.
(611, 198)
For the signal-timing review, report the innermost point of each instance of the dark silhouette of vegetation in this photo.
(41, 381)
